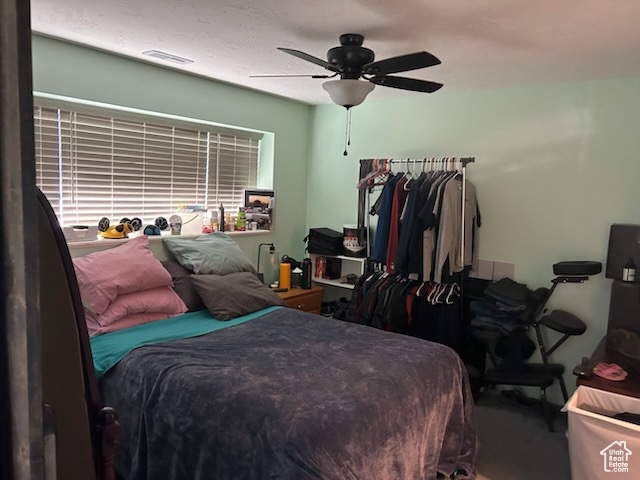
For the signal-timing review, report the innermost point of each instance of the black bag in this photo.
(510, 294)
(514, 349)
(324, 241)
(294, 263)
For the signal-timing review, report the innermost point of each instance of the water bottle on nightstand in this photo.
(306, 273)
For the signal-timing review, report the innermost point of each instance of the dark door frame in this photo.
(21, 417)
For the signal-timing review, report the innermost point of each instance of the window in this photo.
(93, 165)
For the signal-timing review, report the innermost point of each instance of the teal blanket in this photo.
(108, 349)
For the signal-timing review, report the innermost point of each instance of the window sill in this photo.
(100, 242)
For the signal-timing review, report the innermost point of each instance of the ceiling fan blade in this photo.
(278, 75)
(309, 58)
(407, 84)
(402, 63)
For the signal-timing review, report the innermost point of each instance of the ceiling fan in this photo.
(353, 62)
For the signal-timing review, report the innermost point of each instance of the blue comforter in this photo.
(291, 395)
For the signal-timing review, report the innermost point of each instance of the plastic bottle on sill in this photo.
(206, 223)
(241, 221)
(213, 215)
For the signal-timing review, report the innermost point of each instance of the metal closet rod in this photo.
(463, 160)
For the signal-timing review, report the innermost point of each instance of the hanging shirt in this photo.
(449, 244)
(415, 240)
(429, 216)
(399, 198)
(406, 231)
(379, 250)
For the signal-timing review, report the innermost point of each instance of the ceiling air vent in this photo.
(167, 57)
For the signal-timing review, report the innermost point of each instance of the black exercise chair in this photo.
(541, 375)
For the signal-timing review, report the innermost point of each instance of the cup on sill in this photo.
(175, 224)
(80, 231)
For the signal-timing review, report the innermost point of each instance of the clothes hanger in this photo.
(420, 288)
(379, 168)
(384, 175)
(435, 166)
(416, 171)
(459, 170)
(407, 185)
(408, 174)
(433, 292)
(364, 181)
(454, 291)
(437, 298)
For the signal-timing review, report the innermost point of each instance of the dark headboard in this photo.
(624, 306)
(624, 301)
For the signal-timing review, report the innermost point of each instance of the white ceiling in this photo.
(481, 43)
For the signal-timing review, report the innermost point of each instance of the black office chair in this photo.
(541, 375)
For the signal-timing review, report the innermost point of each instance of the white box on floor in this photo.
(602, 447)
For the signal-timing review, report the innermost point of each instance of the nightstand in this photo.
(307, 300)
(630, 386)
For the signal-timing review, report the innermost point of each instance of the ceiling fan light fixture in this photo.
(348, 92)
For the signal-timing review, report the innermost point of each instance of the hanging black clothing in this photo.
(407, 220)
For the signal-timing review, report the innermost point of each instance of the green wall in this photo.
(71, 70)
(555, 167)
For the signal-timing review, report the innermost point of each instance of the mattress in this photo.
(291, 395)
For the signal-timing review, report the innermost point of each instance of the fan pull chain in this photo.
(349, 142)
(347, 133)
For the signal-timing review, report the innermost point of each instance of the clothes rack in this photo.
(451, 164)
(422, 291)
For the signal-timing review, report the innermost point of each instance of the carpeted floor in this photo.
(514, 442)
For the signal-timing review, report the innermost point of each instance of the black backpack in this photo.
(324, 241)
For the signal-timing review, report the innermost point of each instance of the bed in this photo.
(248, 389)
(288, 395)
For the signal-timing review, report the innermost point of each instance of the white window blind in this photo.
(90, 166)
(233, 166)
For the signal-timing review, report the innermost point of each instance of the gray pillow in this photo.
(215, 253)
(182, 285)
(233, 295)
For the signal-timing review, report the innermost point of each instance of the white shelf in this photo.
(344, 257)
(333, 283)
(348, 265)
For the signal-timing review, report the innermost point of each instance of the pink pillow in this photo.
(159, 299)
(129, 267)
(94, 327)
